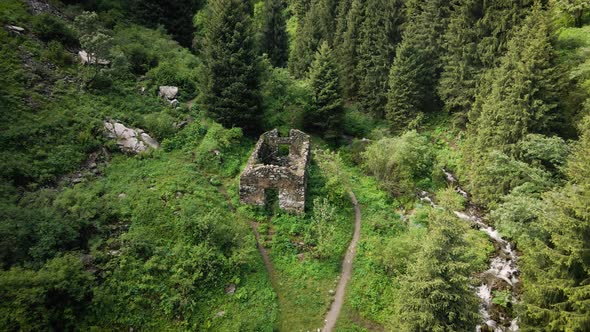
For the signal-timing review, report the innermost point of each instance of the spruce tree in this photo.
(495, 28)
(275, 41)
(342, 10)
(379, 35)
(300, 8)
(415, 70)
(347, 49)
(327, 18)
(521, 97)
(307, 41)
(231, 93)
(460, 62)
(435, 294)
(325, 115)
(556, 268)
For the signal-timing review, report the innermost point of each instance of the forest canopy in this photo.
(452, 137)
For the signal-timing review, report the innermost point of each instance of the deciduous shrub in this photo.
(400, 162)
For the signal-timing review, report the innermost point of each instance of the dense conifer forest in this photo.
(453, 136)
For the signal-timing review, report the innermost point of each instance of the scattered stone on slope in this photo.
(130, 140)
(41, 6)
(230, 289)
(89, 169)
(169, 93)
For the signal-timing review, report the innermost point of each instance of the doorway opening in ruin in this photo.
(271, 201)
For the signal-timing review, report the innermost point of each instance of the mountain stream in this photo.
(502, 273)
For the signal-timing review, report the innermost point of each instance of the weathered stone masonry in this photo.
(267, 169)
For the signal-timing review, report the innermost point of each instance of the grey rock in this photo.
(130, 140)
(168, 92)
(15, 29)
(230, 289)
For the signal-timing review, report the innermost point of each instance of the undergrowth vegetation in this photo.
(408, 103)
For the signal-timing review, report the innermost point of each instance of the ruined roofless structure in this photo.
(268, 169)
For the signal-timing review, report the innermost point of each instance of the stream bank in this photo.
(502, 274)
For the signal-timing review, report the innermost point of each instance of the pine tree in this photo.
(556, 269)
(327, 14)
(275, 41)
(460, 62)
(435, 294)
(495, 27)
(307, 41)
(232, 90)
(415, 69)
(327, 110)
(300, 8)
(521, 97)
(342, 10)
(575, 8)
(318, 25)
(380, 33)
(347, 49)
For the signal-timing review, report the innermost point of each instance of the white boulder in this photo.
(130, 140)
(15, 29)
(169, 93)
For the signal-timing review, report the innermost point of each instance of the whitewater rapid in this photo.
(503, 268)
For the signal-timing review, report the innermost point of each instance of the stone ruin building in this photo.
(271, 167)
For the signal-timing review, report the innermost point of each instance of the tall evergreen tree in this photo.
(556, 269)
(494, 29)
(415, 69)
(460, 62)
(347, 49)
(521, 98)
(380, 33)
(307, 41)
(435, 291)
(327, 110)
(575, 8)
(275, 41)
(342, 10)
(232, 89)
(300, 8)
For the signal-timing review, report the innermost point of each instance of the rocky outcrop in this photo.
(43, 6)
(15, 29)
(90, 59)
(130, 140)
(169, 94)
(268, 169)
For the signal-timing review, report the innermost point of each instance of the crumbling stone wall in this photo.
(267, 169)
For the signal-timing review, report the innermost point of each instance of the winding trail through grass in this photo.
(265, 258)
(336, 306)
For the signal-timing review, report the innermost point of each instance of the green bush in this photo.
(284, 100)
(357, 123)
(13, 12)
(140, 59)
(56, 54)
(400, 163)
(52, 298)
(48, 27)
(161, 124)
(168, 73)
